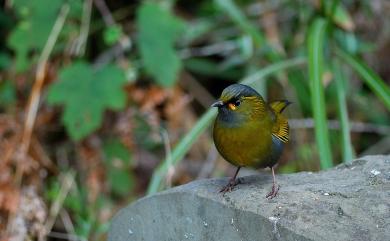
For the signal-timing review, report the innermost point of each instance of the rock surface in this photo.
(348, 202)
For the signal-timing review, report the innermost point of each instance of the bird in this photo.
(249, 132)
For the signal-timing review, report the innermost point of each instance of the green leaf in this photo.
(201, 125)
(343, 112)
(112, 34)
(121, 181)
(32, 31)
(52, 190)
(119, 178)
(377, 85)
(85, 95)
(158, 30)
(36, 22)
(84, 226)
(74, 201)
(4, 61)
(7, 93)
(315, 44)
(115, 149)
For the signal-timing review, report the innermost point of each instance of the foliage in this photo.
(369, 76)
(123, 100)
(85, 94)
(7, 93)
(117, 158)
(112, 34)
(348, 154)
(33, 29)
(156, 42)
(316, 44)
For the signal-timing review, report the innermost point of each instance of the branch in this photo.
(40, 77)
(81, 41)
(105, 12)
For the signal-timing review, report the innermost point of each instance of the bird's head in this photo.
(239, 103)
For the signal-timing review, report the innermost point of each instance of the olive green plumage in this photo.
(248, 132)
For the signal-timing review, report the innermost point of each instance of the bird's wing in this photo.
(280, 128)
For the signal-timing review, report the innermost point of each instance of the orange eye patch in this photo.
(232, 106)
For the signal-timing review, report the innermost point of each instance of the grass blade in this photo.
(247, 27)
(274, 68)
(315, 64)
(240, 19)
(201, 125)
(181, 149)
(343, 112)
(377, 85)
(338, 14)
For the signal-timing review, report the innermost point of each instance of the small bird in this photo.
(248, 132)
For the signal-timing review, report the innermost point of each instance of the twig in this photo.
(40, 77)
(33, 104)
(106, 14)
(115, 51)
(356, 126)
(43, 156)
(65, 236)
(118, 49)
(81, 41)
(220, 48)
(200, 93)
(67, 183)
(66, 220)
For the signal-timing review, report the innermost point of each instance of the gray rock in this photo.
(348, 202)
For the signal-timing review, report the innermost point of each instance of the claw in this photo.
(275, 187)
(232, 183)
(273, 192)
(229, 187)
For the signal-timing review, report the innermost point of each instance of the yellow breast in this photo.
(245, 145)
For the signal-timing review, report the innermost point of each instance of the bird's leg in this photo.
(275, 187)
(232, 182)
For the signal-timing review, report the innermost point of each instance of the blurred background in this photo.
(104, 102)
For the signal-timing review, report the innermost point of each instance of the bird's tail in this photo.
(280, 128)
(279, 105)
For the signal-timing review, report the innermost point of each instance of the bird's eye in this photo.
(234, 105)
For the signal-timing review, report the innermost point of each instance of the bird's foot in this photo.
(229, 187)
(274, 191)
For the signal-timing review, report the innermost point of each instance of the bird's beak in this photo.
(219, 103)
